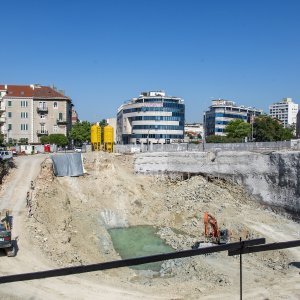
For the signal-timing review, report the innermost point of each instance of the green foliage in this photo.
(267, 129)
(1, 139)
(81, 132)
(58, 139)
(222, 139)
(193, 135)
(238, 129)
(45, 140)
(11, 142)
(103, 123)
(23, 141)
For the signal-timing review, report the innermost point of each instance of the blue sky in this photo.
(103, 53)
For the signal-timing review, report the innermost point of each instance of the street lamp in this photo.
(148, 140)
(252, 121)
(203, 133)
(8, 130)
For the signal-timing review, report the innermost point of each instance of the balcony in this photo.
(42, 132)
(61, 122)
(42, 109)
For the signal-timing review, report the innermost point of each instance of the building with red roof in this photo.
(28, 112)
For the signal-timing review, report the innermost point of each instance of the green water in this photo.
(138, 241)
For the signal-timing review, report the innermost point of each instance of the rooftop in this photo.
(222, 102)
(32, 91)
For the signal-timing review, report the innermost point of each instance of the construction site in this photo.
(129, 205)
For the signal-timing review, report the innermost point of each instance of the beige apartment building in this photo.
(28, 112)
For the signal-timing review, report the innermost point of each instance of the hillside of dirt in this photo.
(71, 216)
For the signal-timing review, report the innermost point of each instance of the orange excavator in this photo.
(212, 232)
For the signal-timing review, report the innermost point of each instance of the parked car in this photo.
(6, 154)
(78, 149)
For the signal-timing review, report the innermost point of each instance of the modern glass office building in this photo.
(153, 117)
(221, 112)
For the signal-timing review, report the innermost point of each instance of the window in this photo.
(24, 115)
(54, 104)
(55, 127)
(42, 105)
(24, 127)
(9, 103)
(60, 116)
(24, 103)
(9, 114)
(43, 129)
(9, 126)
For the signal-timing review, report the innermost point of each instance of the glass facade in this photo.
(158, 118)
(154, 113)
(216, 119)
(158, 127)
(157, 136)
(164, 108)
(232, 116)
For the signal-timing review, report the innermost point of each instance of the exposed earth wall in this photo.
(273, 178)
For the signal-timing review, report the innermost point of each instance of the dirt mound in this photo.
(71, 217)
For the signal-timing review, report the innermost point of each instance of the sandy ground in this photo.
(71, 217)
(29, 258)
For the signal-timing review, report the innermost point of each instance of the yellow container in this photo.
(96, 137)
(108, 138)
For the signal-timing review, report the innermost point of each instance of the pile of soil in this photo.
(71, 216)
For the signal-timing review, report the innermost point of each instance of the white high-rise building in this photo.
(285, 111)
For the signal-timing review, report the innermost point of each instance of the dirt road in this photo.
(13, 196)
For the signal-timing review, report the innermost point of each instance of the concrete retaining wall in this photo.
(293, 144)
(273, 178)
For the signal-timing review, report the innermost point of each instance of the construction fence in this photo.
(255, 146)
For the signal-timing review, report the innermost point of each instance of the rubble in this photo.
(72, 215)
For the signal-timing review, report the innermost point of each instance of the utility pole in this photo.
(252, 121)
(241, 271)
(148, 140)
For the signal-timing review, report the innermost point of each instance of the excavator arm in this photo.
(212, 232)
(211, 229)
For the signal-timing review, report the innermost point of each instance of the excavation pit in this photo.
(139, 241)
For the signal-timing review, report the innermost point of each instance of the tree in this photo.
(45, 140)
(23, 141)
(11, 142)
(58, 139)
(103, 123)
(81, 132)
(267, 129)
(238, 129)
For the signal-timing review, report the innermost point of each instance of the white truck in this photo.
(6, 155)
